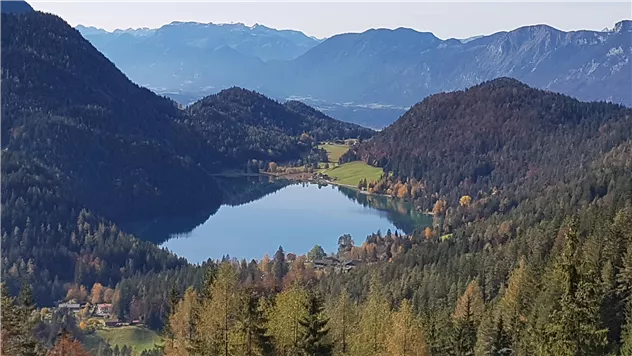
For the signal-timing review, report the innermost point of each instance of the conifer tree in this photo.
(467, 315)
(516, 302)
(181, 325)
(252, 327)
(407, 335)
(342, 321)
(67, 346)
(284, 317)
(371, 337)
(215, 317)
(574, 327)
(314, 339)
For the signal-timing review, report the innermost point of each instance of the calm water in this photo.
(296, 217)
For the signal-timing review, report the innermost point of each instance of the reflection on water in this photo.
(260, 214)
(401, 213)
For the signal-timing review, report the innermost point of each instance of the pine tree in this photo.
(17, 323)
(574, 327)
(626, 335)
(501, 345)
(313, 335)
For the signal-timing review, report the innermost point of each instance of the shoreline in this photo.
(298, 177)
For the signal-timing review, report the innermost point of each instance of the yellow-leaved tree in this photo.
(217, 316)
(373, 327)
(343, 316)
(407, 335)
(181, 325)
(284, 317)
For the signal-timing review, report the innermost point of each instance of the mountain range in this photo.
(381, 69)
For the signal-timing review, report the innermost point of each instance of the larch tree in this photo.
(372, 335)
(217, 313)
(181, 325)
(342, 322)
(67, 346)
(516, 302)
(407, 335)
(284, 317)
(467, 315)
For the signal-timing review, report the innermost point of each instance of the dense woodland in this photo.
(530, 251)
(243, 125)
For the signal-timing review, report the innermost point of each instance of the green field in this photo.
(334, 151)
(351, 173)
(140, 339)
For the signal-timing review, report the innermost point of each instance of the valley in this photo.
(487, 211)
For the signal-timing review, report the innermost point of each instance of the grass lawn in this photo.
(334, 151)
(351, 173)
(140, 339)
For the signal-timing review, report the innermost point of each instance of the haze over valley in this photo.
(371, 77)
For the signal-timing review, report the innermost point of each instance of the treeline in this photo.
(229, 318)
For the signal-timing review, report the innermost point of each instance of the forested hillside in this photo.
(499, 143)
(244, 124)
(66, 105)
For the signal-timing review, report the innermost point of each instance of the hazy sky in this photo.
(326, 18)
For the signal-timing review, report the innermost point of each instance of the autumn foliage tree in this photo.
(67, 346)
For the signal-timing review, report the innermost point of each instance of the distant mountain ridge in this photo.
(389, 67)
(255, 41)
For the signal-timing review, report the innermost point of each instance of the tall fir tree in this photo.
(574, 328)
(314, 339)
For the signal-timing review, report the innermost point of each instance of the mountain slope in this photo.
(67, 105)
(187, 51)
(15, 7)
(500, 137)
(253, 126)
(400, 67)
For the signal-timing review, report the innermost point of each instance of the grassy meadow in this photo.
(139, 338)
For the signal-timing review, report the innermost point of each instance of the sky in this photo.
(327, 18)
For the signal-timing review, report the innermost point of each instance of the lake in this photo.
(260, 216)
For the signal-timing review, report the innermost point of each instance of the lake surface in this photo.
(296, 216)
